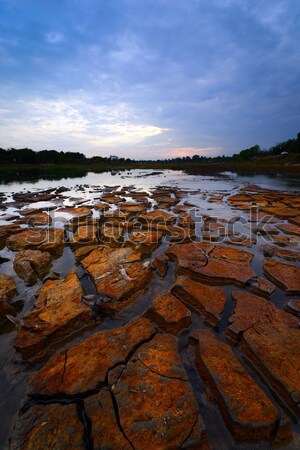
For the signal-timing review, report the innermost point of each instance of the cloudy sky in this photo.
(149, 78)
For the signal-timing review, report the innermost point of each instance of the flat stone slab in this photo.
(105, 430)
(263, 287)
(293, 306)
(31, 265)
(157, 216)
(215, 264)
(289, 228)
(208, 301)
(58, 312)
(85, 235)
(156, 403)
(50, 240)
(273, 250)
(83, 368)
(169, 313)
(119, 274)
(37, 219)
(270, 339)
(286, 276)
(144, 241)
(48, 427)
(247, 411)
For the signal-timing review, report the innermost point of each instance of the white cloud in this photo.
(54, 37)
(72, 123)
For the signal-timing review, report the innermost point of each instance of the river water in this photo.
(84, 191)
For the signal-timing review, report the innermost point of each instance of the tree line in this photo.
(28, 156)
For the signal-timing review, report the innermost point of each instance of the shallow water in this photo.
(197, 188)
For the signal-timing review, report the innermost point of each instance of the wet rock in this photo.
(144, 242)
(101, 206)
(31, 265)
(83, 211)
(242, 240)
(112, 234)
(6, 231)
(157, 216)
(86, 234)
(247, 411)
(106, 433)
(250, 310)
(270, 340)
(84, 367)
(118, 273)
(293, 306)
(169, 313)
(262, 287)
(156, 404)
(113, 199)
(289, 228)
(37, 219)
(84, 251)
(51, 240)
(48, 427)
(58, 312)
(280, 210)
(7, 287)
(286, 276)
(33, 197)
(161, 265)
(132, 207)
(216, 264)
(208, 301)
(272, 250)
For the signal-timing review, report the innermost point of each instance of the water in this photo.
(86, 190)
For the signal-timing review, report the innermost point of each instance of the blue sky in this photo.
(149, 78)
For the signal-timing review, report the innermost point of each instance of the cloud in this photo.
(54, 37)
(78, 121)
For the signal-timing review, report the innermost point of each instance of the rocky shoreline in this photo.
(168, 316)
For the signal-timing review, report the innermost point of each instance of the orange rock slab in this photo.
(286, 276)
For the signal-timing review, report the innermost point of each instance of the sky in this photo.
(149, 79)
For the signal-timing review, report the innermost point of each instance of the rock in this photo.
(156, 405)
(169, 313)
(216, 264)
(113, 199)
(7, 287)
(105, 430)
(31, 265)
(272, 250)
(6, 231)
(286, 276)
(161, 265)
(84, 235)
(144, 242)
(293, 306)
(132, 207)
(50, 240)
(36, 219)
(270, 340)
(208, 301)
(83, 368)
(118, 273)
(48, 427)
(251, 310)
(58, 312)
(262, 287)
(101, 206)
(280, 210)
(111, 234)
(157, 216)
(72, 213)
(247, 411)
(84, 251)
(289, 228)
(243, 240)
